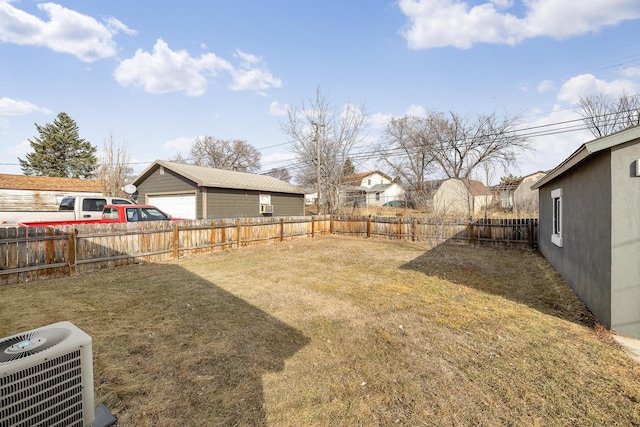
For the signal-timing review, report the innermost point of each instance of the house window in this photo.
(556, 234)
(369, 181)
(377, 196)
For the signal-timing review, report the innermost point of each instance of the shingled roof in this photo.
(220, 178)
(48, 183)
(356, 179)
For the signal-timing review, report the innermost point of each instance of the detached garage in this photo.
(196, 192)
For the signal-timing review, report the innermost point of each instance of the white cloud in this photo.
(252, 74)
(66, 31)
(416, 111)
(275, 109)
(545, 86)
(253, 79)
(587, 84)
(165, 70)
(379, 120)
(280, 157)
(17, 107)
(631, 72)
(440, 23)
(247, 58)
(177, 145)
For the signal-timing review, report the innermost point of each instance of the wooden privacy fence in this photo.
(522, 233)
(31, 253)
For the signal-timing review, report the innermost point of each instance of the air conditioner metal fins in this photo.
(46, 378)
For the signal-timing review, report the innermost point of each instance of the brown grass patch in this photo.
(340, 331)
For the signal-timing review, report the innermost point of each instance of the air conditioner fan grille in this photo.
(29, 343)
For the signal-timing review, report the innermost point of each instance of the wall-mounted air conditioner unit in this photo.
(266, 209)
(46, 378)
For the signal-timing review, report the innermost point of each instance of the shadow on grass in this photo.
(522, 276)
(170, 348)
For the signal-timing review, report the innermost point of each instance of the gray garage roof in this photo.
(219, 178)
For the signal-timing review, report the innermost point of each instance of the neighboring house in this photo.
(196, 192)
(460, 197)
(590, 226)
(373, 188)
(502, 195)
(525, 200)
(380, 194)
(24, 192)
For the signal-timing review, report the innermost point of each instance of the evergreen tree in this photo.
(347, 168)
(60, 152)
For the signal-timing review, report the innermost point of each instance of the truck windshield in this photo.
(145, 214)
(67, 204)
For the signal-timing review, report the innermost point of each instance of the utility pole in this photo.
(317, 142)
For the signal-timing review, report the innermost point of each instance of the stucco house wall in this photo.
(584, 260)
(599, 246)
(625, 236)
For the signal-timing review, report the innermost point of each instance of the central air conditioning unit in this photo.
(266, 209)
(46, 378)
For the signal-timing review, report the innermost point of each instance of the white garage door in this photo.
(176, 205)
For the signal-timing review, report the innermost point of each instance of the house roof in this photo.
(356, 179)
(49, 183)
(220, 178)
(476, 188)
(588, 149)
(378, 188)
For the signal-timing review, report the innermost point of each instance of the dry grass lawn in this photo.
(340, 332)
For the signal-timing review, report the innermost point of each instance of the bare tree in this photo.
(322, 140)
(114, 171)
(235, 155)
(465, 144)
(407, 146)
(604, 115)
(280, 173)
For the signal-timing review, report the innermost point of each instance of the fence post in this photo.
(176, 241)
(331, 224)
(50, 246)
(72, 252)
(313, 223)
(472, 237)
(239, 230)
(413, 230)
(369, 227)
(281, 229)
(530, 233)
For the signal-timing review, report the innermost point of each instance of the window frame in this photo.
(556, 219)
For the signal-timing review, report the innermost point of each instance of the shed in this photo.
(27, 192)
(460, 196)
(590, 226)
(197, 192)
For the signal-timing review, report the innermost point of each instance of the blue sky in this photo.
(155, 75)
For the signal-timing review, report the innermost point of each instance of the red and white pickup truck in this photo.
(111, 214)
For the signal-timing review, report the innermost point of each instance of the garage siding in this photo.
(168, 183)
(230, 203)
(221, 202)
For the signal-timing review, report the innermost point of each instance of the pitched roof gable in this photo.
(356, 179)
(49, 183)
(220, 178)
